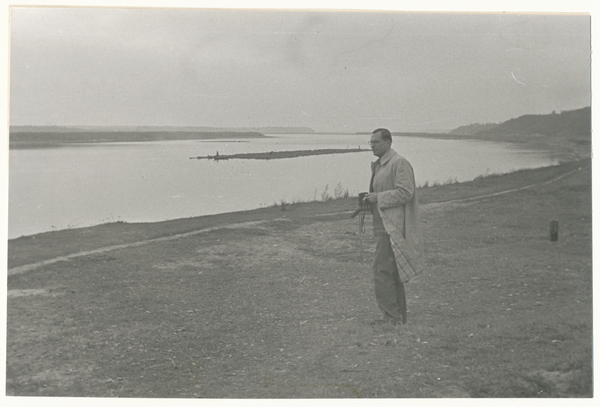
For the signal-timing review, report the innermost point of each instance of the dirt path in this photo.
(28, 267)
(515, 189)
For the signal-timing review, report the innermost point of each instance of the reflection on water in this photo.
(153, 181)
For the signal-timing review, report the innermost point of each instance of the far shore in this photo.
(571, 148)
(26, 140)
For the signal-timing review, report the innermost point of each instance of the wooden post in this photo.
(553, 230)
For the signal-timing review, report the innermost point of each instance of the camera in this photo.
(362, 204)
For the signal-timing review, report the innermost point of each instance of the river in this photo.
(87, 184)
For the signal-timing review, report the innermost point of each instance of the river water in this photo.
(88, 184)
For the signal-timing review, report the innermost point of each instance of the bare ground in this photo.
(277, 303)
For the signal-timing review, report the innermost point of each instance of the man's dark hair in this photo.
(385, 134)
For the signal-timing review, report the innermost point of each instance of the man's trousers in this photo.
(389, 290)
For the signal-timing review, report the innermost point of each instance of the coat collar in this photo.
(386, 157)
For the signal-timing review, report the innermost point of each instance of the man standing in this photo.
(399, 251)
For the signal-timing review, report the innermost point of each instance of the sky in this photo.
(333, 71)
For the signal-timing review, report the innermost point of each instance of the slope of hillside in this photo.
(568, 132)
(473, 129)
(568, 123)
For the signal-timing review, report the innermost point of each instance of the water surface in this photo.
(87, 184)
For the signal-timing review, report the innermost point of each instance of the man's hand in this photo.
(371, 197)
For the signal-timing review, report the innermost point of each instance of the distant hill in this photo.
(474, 128)
(568, 123)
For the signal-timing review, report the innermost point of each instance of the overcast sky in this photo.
(331, 71)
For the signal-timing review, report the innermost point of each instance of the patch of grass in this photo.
(339, 193)
(437, 183)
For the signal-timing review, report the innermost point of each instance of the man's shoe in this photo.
(379, 322)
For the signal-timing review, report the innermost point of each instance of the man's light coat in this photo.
(398, 206)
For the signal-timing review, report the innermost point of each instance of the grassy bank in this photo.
(277, 303)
